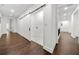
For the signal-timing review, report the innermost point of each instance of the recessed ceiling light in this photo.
(65, 8)
(65, 22)
(12, 10)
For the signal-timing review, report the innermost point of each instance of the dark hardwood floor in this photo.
(67, 45)
(14, 44)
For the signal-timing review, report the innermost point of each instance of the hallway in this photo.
(14, 44)
(67, 45)
(29, 29)
(31, 21)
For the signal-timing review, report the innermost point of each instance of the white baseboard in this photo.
(78, 40)
(47, 49)
(58, 39)
(0, 35)
(73, 35)
(36, 42)
(22, 36)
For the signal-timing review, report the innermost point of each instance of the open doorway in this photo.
(64, 13)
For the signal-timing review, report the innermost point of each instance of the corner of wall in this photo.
(49, 50)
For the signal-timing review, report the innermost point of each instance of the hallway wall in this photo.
(0, 30)
(6, 24)
(65, 26)
(37, 26)
(35, 21)
(64, 20)
(31, 27)
(13, 24)
(3, 25)
(50, 28)
(75, 22)
(23, 26)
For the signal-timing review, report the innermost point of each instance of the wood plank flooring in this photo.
(67, 45)
(14, 44)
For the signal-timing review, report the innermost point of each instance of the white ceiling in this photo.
(18, 9)
(65, 14)
(21, 8)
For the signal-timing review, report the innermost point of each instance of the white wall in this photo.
(66, 24)
(0, 30)
(3, 25)
(37, 26)
(33, 21)
(45, 17)
(8, 25)
(23, 26)
(50, 28)
(13, 24)
(0, 24)
(76, 23)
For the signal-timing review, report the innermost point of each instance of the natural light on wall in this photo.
(40, 14)
(65, 22)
